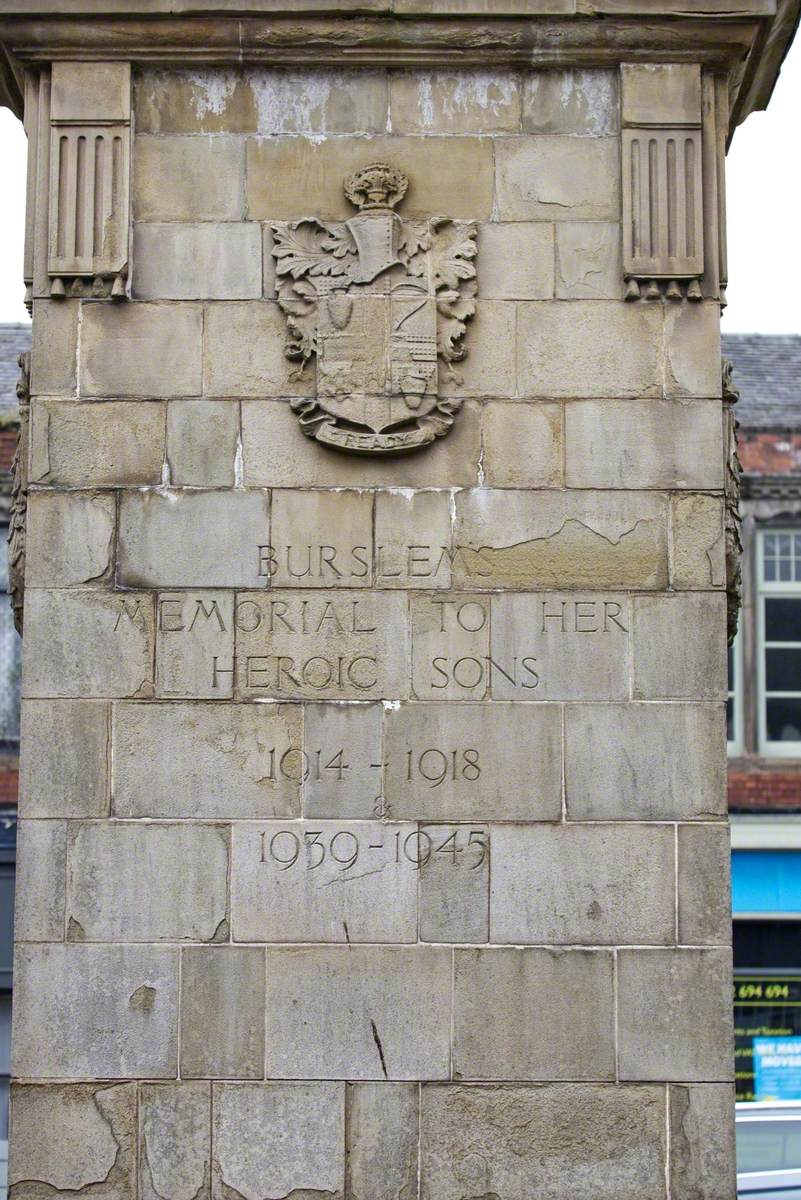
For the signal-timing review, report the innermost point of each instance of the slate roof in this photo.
(767, 374)
(13, 340)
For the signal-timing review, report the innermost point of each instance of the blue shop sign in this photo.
(777, 1068)
(766, 881)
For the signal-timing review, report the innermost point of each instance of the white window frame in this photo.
(736, 746)
(774, 589)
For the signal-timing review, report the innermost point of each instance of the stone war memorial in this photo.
(375, 528)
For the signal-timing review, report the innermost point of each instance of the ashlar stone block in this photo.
(696, 622)
(529, 1014)
(335, 645)
(522, 445)
(582, 103)
(589, 261)
(566, 1141)
(489, 368)
(544, 178)
(84, 1012)
(621, 762)
(189, 178)
(193, 630)
(140, 350)
(344, 761)
(382, 1150)
(521, 539)
(358, 1012)
(88, 92)
(413, 535)
(455, 102)
(473, 762)
(39, 890)
(585, 884)
(454, 883)
(54, 347)
(699, 545)
(244, 355)
(135, 882)
(704, 866)
(209, 261)
(320, 539)
(70, 538)
(324, 881)
(90, 1140)
(88, 644)
(450, 646)
(116, 444)
(202, 442)
(175, 1141)
(643, 444)
(64, 763)
(206, 760)
(688, 1035)
(516, 261)
(702, 1158)
(193, 539)
(692, 350)
(222, 1012)
(305, 1152)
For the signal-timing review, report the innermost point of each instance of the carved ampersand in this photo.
(379, 301)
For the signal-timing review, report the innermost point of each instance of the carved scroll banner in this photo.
(378, 301)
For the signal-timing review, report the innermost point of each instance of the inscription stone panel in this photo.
(373, 812)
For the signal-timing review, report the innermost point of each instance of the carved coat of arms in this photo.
(380, 302)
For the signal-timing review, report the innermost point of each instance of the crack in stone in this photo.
(380, 1048)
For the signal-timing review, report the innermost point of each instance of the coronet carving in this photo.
(19, 496)
(733, 516)
(379, 301)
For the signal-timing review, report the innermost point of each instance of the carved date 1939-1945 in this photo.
(312, 847)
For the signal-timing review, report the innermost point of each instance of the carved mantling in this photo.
(19, 496)
(733, 516)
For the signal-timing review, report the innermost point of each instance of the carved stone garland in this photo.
(733, 516)
(19, 496)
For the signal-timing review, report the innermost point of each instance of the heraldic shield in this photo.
(382, 304)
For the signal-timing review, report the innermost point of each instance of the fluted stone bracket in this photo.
(19, 496)
(733, 516)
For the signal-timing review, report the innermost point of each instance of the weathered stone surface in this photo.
(83, 91)
(320, 539)
(450, 647)
(704, 864)
(589, 348)
(702, 1142)
(90, 1140)
(95, 1011)
(140, 350)
(533, 1014)
(697, 623)
(202, 442)
(358, 1012)
(381, 1155)
(589, 884)
(324, 881)
(39, 891)
(193, 539)
(589, 263)
(289, 178)
(193, 629)
(643, 444)
(544, 178)
(215, 100)
(54, 347)
(206, 760)
(64, 764)
(85, 643)
(175, 1143)
(473, 762)
(489, 368)
(305, 1153)
(581, 103)
(274, 456)
(561, 647)
(692, 350)
(660, 93)
(413, 536)
(688, 1035)
(97, 445)
(343, 767)
(454, 883)
(516, 261)
(565, 1141)
(699, 548)
(521, 539)
(70, 538)
(189, 179)
(522, 445)
(244, 354)
(218, 261)
(621, 762)
(455, 102)
(222, 1012)
(146, 883)
(338, 645)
